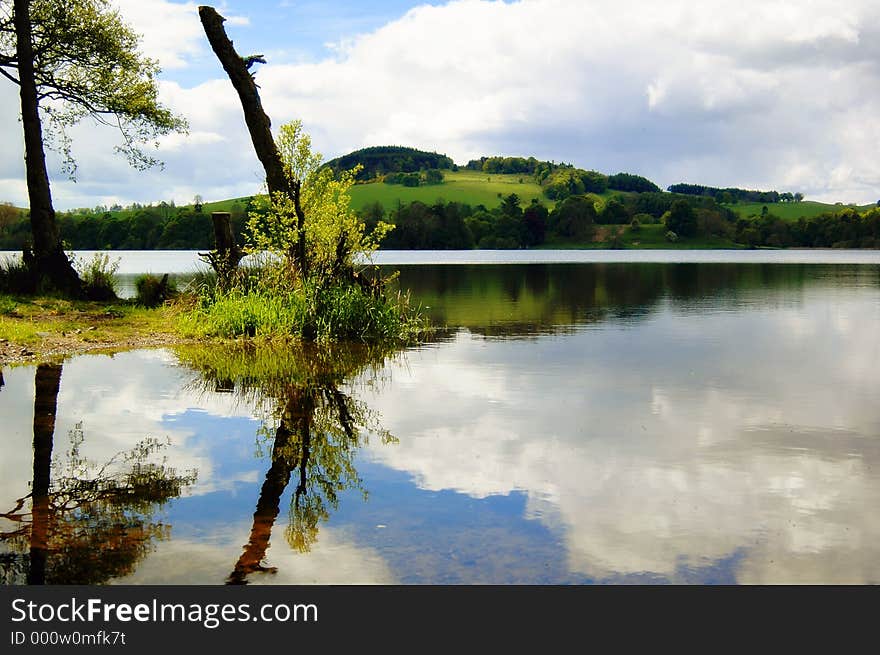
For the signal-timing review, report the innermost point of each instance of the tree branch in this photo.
(9, 77)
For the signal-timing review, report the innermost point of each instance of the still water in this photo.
(574, 423)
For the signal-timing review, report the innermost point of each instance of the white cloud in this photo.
(171, 31)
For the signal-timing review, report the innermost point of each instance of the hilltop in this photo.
(377, 161)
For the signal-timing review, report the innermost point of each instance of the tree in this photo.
(510, 206)
(535, 221)
(74, 59)
(681, 219)
(798, 196)
(197, 203)
(615, 213)
(574, 217)
(317, 232)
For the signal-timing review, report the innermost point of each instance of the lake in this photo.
(582, 417)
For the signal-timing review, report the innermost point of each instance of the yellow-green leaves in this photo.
(334, 234)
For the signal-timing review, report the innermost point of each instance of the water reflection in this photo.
(576, 425)
(522, 300)
(314, 434)
(86, 523)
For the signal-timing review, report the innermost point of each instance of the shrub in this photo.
(98, 276)
(8, 307)
(671, 236)
(635, 225)
(15, 278)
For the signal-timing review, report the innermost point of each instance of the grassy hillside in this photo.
(790, 211)
(224, 205)
(469, 187)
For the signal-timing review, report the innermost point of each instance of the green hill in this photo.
(380, 160)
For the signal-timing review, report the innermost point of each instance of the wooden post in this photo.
(223, 239)
(225, 257)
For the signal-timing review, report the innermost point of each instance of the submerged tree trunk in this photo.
(47, 383)
(49, 261)
(257, 121)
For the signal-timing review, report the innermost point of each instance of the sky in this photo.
(758, 93)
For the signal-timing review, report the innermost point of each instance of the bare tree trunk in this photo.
(257, 121)
(226, 255)
(49, 261)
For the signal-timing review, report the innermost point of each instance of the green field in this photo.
(790, 211)
(224, 205)
(468, 187)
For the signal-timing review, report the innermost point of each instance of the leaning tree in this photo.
(74, 59)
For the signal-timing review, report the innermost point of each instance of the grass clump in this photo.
(98, 277)
(153, 290)
(312, 311)
(15, 278)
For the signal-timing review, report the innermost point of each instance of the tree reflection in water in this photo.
(87, 523)
(313, 424)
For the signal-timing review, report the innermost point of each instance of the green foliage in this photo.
(8, 306)
(566, 182)
(333, 233)
(614, 213)
(630, 182)
(314, 312)
(318, 292)
(681, 219)
(574, 218)
(731, 194)
(98, 276)
(377, 161)
(88, 65)
(847, 228)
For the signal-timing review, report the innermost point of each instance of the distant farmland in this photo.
(790, 211)
(469, 187)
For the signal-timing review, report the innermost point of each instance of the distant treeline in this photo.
(423, 178)
(162, 227)
(514, 224)
(732, 194)
(561, 180)
(844, 229)
(577, 219)
(378, 161)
